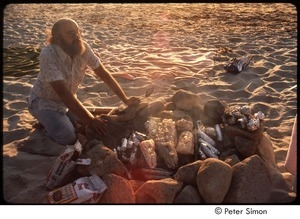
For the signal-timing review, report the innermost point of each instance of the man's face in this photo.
(71, 41)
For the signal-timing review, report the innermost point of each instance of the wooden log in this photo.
(101, 110)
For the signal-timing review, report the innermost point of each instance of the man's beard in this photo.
(77, 47)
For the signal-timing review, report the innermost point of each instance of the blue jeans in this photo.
(59, 126)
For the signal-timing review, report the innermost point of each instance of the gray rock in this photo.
(152, 109)
(158, 191)
(188, 195)
(185, 159)
(169, 105)
(135, 184)
(175, 115)
(215, 109)
(184, 125)
(250, 182)
(103, 161)
(266, 152)
(280, 190)
(234, 130)
(119, 190)
(145, 174)
(232, 160)
(186, 100)
(197, 112)
(245, 147)
(213, 180)
(188, 173)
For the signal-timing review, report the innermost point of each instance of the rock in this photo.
(234, 130)
(232, 160)
(158, 191)
(185, 144)
(152, 109)
(250, 182)
(188, 173)
(213, 180)
(215, 109)
(244, 146)
(186, 100)
(169, 105)
(175, 115)
(280, 190)
(184, 125)
(145, 174)
(135, 184)
(188, 195)
(266, 151)
(227, 143)
(184, 159)
(103, 161)
(197, 112)
(119, 190)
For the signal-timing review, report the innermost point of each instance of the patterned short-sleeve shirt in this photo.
(56, 65)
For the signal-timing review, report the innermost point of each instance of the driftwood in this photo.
(101, 110)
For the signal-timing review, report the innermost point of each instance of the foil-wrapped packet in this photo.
(148, 150)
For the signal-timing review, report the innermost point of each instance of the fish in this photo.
(207, 151)
(205, 137)
(212, 148)
(201, 153)
(219, 132)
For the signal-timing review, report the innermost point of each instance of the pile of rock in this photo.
(164, 162)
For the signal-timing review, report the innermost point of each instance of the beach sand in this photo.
(167, 46)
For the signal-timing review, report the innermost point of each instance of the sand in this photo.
(167, 46)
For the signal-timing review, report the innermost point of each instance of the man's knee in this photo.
(65, 136)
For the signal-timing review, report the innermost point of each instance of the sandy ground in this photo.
(168, 46)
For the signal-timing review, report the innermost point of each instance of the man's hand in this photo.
(99, 125)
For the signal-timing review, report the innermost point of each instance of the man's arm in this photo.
(76, 107)
(107, 78)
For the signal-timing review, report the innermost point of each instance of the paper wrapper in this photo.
(185, 144)
(85, 190)
(148, 150)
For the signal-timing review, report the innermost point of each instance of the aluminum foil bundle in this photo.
(148, 150)
(242, 116)
(164, 134)
(127, 151)
(206, 144)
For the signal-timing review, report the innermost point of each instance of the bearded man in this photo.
(52, 99)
